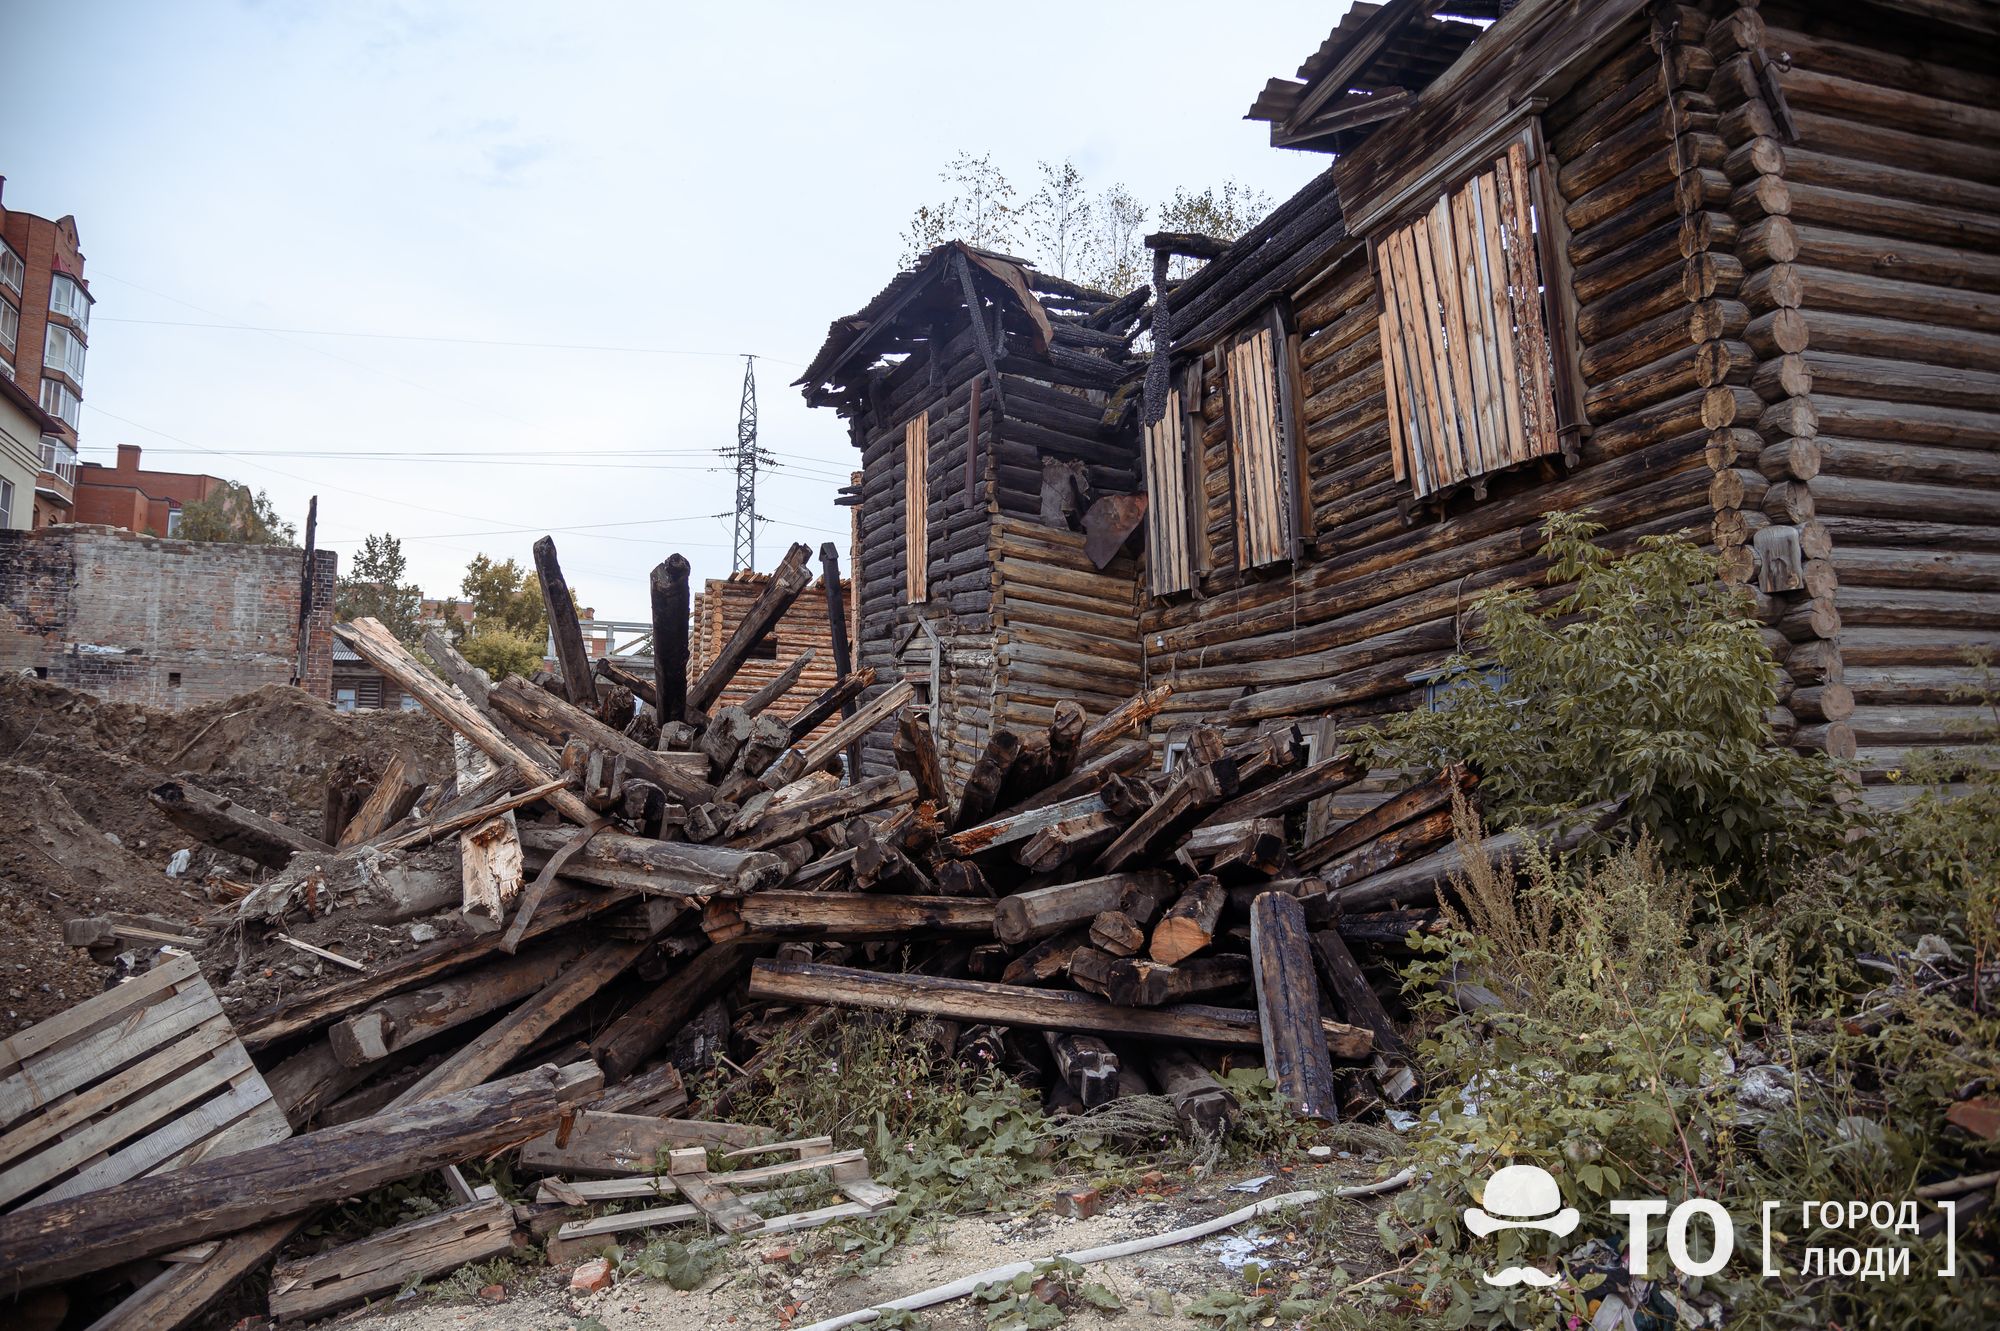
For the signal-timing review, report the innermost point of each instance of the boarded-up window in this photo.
(1260, 449)
(916, 507)
(1470, 377)
(1169, 553)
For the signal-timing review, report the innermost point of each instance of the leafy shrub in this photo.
(1647, 681)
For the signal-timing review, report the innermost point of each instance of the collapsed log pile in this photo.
(1095, 928)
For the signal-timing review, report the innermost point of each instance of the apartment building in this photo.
(44, 335)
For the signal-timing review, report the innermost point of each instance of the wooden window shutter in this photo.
(916, 507)
(1469, 368)
(1261, 465)
(1169, 553)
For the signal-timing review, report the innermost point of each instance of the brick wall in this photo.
(164, 623)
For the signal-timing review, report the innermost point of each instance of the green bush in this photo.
(1645, 681)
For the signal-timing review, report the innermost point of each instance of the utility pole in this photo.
(748, 458)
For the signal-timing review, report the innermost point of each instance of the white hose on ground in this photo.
(960, 1288)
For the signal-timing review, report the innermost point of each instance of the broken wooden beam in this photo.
(1204, 1106)
(395, 793)
(407, 1018)
(542, 713)
(648, 1024)
(669, 590)
(1046, 910)
(819, 752)
(572, 658)
(1354, 998)
(514, 1034)
(1188, 925)
(845, 917)
(380, 649)
(1014, 1005)
(107, 1227)
(388, 1261)
(219, 821)
(1295, 1049)
(668, 868)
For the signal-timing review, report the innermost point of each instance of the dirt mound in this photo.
(55, 866)
(78, 836)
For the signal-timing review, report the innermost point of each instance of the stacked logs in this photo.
(1098, 929)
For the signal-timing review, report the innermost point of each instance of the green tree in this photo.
(374, 588)
(232, 513)
(504, 595)
(501, 652)
(1647, 681)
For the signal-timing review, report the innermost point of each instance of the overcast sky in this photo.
(625, 180)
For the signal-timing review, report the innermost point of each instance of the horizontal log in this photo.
(1014, 1005)
(846, 916)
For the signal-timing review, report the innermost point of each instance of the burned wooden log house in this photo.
(1725, 269)
(976, 389)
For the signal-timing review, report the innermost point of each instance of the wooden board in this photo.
(599, 1143)
(916, 506)
(1469, 382)
(1256, 449)
(1169, 558)
(142, 1078)
(383, 1263)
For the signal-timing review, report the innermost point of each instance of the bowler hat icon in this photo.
(1521, 1197)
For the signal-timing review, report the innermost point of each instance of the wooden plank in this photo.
(1417, 344)
(916, 508)
(385, 1262)
(1493, 272)
(1399, 430)
(93, 1014)
(600, 1143)
(1444, 260)
(1452, 441)
(70, 1114)
(1476, 311)
(55, 1073)
(191, 1128)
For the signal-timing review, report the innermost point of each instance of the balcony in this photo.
(58, 478)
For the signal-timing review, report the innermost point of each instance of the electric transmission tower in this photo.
(749, 457)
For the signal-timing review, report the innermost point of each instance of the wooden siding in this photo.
(1471, 386)
(1259, 439)
(916, 505)
(1169, 557)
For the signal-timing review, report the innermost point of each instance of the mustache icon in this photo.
(1521, 1275)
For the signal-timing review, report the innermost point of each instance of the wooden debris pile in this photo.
(653, 883)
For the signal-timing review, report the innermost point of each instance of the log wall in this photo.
(986, 541)
(1875, 295)
(1380, 594)
(719, 607)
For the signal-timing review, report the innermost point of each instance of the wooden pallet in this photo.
(142, 1079)
(721, 1198)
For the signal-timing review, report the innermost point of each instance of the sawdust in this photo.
(78, 836)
